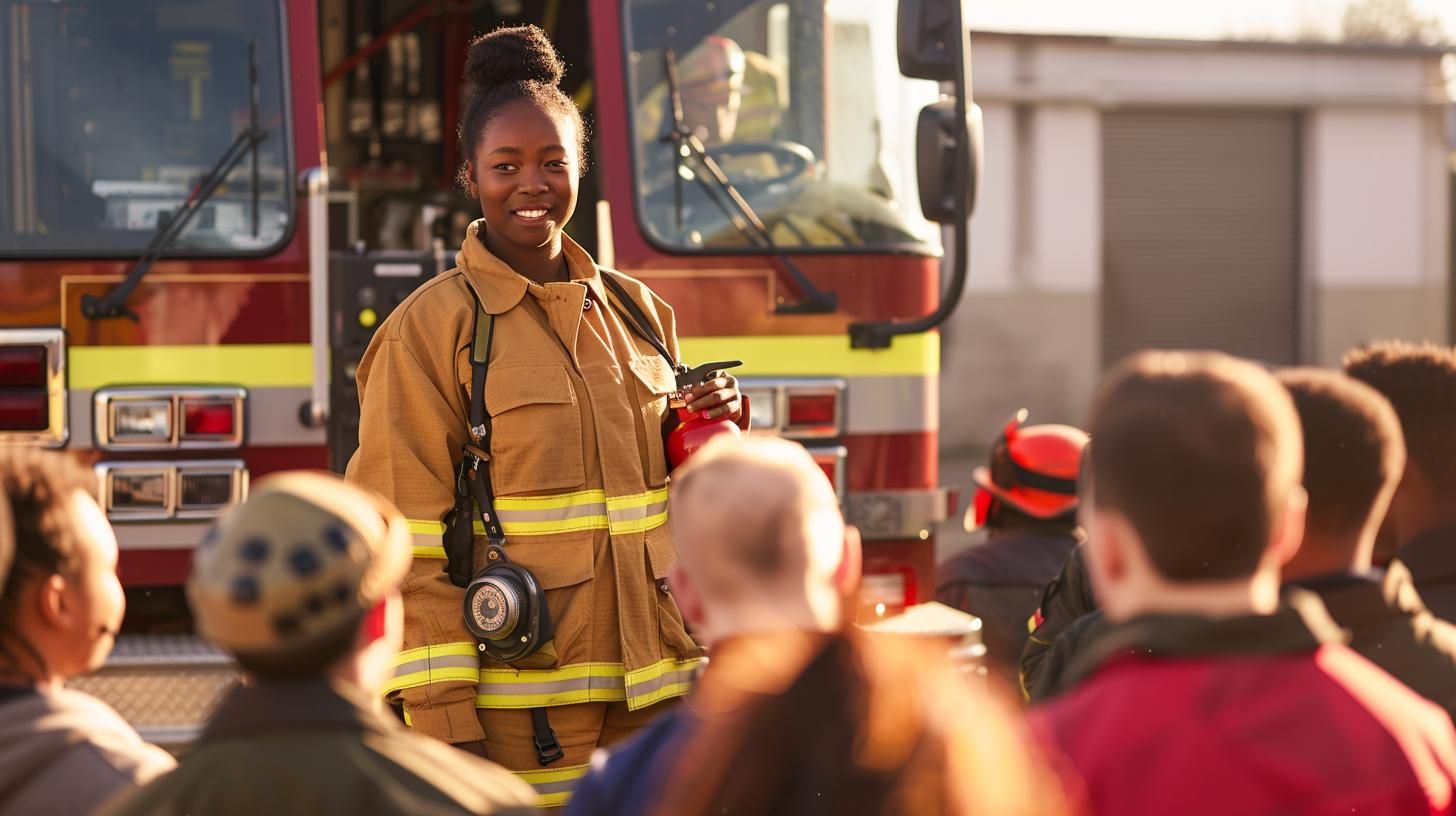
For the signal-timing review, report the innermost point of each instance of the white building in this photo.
(1283, 202)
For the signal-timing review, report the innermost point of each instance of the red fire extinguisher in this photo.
(693, 430)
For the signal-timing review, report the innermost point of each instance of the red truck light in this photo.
(22, 367)
(166, 418)
(27, 410)
(208, 418)
(812, 410)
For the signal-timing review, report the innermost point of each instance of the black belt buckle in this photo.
(548, 749)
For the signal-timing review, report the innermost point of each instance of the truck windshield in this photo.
(111, 111)
(798, 137)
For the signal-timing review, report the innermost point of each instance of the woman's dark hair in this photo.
(39, 486)
(516, 62)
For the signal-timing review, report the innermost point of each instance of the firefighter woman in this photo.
(566, 447)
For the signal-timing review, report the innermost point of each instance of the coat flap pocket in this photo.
(507, 388)
(655, 373)
(661, 552)
(556, 561)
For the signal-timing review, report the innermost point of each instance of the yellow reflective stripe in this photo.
(255, 364)
(818, 355)
(434, 664)
(579, 498)
(662, 680)
(426, 537)
(550, 515)
(536, 688)
(545, 515)
(554, 786)
(639, 512)
(637, 499)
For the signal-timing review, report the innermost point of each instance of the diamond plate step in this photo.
(166, 686)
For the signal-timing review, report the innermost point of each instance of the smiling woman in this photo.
(558, 467)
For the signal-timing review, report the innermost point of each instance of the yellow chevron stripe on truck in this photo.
(266, 365)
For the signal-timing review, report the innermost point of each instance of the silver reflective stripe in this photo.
(655, 684)
(588, 683)
(561, 786)
(552, 514)
(432, 663)
(637, 513)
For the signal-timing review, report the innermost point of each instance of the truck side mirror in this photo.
(937, 141)
(925, 34)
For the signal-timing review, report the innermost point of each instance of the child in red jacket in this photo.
(1204, 692)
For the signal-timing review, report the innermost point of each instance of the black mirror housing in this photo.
(937, 142)
(923, 34)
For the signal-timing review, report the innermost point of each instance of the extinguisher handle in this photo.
(690, 377)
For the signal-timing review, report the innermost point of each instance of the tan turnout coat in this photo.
(577, 404)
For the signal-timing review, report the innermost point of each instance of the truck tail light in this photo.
(141, 421)
(208, 418)
(140, 492)
(205, 491)
(831, 460)
(161, 418)
(808, 411)
(796, 407)
(22, 367)
(135, 491)
(32, 387)
(27, 410)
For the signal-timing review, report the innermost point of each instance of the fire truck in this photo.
(207, 206)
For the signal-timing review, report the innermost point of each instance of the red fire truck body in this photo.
(222, 372)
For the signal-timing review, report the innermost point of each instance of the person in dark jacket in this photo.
(1204, 692)
(1420, 529)
(301, 585)
(1026, 501)
(1353, 458)
(1068, 609)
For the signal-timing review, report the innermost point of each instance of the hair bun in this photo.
(513, 54)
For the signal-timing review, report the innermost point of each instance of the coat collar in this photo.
(501, 288)
(1301, 624)
(306, 705)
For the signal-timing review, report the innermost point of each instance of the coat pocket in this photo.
(661, 555)
(536, 442)
(564, 568)
(655, 385)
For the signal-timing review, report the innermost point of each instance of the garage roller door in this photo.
(1200, 232)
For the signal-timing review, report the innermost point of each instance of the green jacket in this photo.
(313, 749)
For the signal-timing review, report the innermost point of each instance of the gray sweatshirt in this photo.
(65, 752)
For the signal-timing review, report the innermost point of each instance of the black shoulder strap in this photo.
(637, 319)
(472, 474)
(480, 344)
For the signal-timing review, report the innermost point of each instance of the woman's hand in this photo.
(718, 397)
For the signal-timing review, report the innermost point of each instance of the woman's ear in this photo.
(469, 178)
(51, 604)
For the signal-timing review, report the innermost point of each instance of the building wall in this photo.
(1374, 249)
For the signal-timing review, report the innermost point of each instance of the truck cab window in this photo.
(111, 111)
(753, 86)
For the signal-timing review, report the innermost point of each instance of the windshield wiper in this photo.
(686, 144)
(113, 303)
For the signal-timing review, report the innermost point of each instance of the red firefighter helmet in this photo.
(1033, 468)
